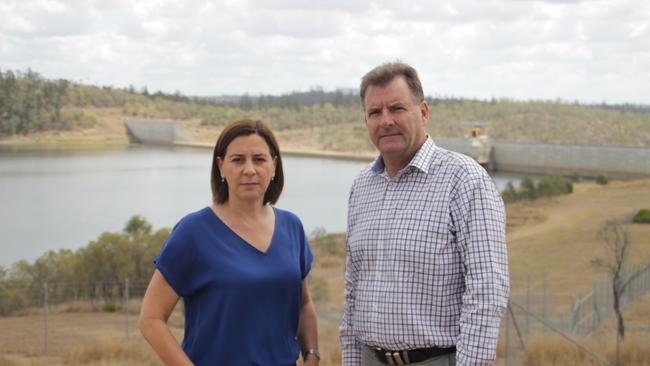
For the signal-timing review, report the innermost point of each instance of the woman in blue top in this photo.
(240, 266)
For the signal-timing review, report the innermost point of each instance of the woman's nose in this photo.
(249, 169)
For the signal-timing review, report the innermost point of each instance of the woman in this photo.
(240, 266)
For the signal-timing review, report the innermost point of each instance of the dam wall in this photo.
(581, 160)
(157, 132)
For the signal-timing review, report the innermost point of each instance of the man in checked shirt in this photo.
(426, 279)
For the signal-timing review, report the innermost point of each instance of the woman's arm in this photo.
(307, 326)
(158, 303)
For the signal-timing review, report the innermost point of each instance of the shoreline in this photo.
(339, 155)
(64, 142)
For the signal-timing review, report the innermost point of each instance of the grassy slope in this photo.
(341, 128)
(564, 240)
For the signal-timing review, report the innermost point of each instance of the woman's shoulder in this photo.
(287, 216)
(192, 219)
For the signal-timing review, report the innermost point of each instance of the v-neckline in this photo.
(244, 241)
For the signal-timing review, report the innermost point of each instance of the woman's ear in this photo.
(220, 166)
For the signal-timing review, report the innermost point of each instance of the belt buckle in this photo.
(398, 359)
(394, 358)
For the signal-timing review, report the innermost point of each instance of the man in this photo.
(426, 278)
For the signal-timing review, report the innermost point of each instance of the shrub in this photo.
(528, 189)
(510, 194)
(643, 216)
(602, 180)
(318, 288)
(109, 307)
(547, 186)
(553, 186)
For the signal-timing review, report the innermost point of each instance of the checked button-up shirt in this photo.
(426, 259)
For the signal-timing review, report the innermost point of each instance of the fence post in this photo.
(126, 307)
(528, 309)
(507, 346)
(45, 313)
(595, 303)
(545, 298)
(575, 313)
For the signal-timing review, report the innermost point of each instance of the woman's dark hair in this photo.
(245, 127)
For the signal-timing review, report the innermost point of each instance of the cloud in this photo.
(590, 50)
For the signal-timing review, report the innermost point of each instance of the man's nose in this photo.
(386, 118)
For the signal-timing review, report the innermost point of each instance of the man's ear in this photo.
(424, 112)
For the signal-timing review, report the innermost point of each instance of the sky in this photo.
(589, 51)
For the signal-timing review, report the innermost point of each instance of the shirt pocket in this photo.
(419, 237)
(426, 254)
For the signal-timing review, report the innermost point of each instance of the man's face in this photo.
(394, 119)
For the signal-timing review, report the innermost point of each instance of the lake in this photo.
(63, 199)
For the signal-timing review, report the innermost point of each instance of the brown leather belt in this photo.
(410, 356)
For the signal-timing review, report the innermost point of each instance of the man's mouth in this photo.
(389, 135)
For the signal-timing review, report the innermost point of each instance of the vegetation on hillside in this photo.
(100, 269)
(547, 186)
(97, 270)
(642, 216)
(30, 103)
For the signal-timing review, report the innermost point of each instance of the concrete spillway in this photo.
(156, 132)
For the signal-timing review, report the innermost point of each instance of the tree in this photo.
(107, 262)
(137, 226)
(510, 194)
(138, 231)
(615, 259)
(528, 188)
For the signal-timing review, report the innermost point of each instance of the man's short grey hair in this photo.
(385, 73)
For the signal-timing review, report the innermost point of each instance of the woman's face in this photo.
(248, 168)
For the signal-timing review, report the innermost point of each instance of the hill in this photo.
(34, 109)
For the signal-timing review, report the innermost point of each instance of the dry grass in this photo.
(555, 236)
(552, 350)
(22, 360)
(559, 236)
(112, 352)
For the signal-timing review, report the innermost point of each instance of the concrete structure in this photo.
(156, 132)
(611, 161)
(615, 162)
(479, 148)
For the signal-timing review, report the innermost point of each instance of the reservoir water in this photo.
(64, 199)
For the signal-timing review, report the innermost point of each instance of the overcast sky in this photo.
(591, 51)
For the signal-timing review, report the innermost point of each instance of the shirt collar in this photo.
(421, 160)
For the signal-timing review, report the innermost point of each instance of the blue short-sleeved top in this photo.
(241, 305)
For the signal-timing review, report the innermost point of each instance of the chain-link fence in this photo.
(529, 314)
(533, 314)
